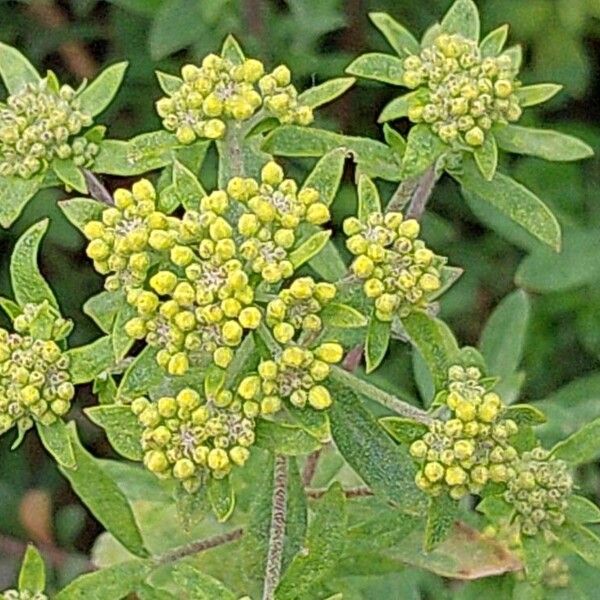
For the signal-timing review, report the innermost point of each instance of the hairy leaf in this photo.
(486, 157)
(377, 342)
(525, 414)
(400, 39)
(57, 441)
(222, 498)
(582, 510)
(122, 428)
(87, 362)
(441, 516)
(15, 193)
(369, 202)
(168, 83)
(309, 248)
(402, 429)
(530, 95)
(423, 148)
(398, 107)
(16, 71)
(70, 174)
(32, 576)
(380, 67)
(581, 447)
(462, 18)
(198, 585)
(96, 97)
(582, 541)
(80, 211)
(494, 41)
(325, 92)
(327, 175)
(342, 315)
(283, 439)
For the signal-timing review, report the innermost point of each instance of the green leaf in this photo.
(515, 53)
(525, 414)
(232, 51)
(103, 498)
(377, 342)
(12, 309)
(380, 67)
(142, 375)
(222, 498)
(328, 263)
(399, 38)
(187, 188)
(582, 510)
(530, 95)
(441, 516)
(323, 546)
(486, 156)
(103, 309)
(16, 71)
(547, 144)
(122, 428)
(15, 193)
(495, 508)
(503, 337)
(398, 107)
(284, 439)
(80, 211)
(168, 83)
(582, 541)
(327, 175)
(96, 97)
(394, 140)
(368, 198)
(121, 342)
(57, 441)
(87, 362)
(140, 154)
(342, 315)
(449, 276)
(436, 344)
(536, 552)
(382, 464)
(462, 18)
(309, 248)
(198, 585)
(325, 92)
(494, 41)
(70, 174)
(27, 282)
(374, 158)
(581, 447)
(32, 576)
(423, 148)
(113, 582)
(403, 430)
(515, 201)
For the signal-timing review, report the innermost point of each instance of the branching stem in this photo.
(415, 193)
(200, 546)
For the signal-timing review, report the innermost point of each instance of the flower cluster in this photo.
(460, 93)
(34, 381)
(539, 491)
(22, 595)
(42, 321)
(399, 272)
(470, 448)
(297, 308)
(37, 125)
(190, 437)
(220, 90)
(297, 375)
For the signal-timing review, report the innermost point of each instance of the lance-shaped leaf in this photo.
(515, 201)
(309, 248)
(462, 18)
(369, 202)
(544, 143)
(581, 447)
(448, 277)
(395, 140)
(582, 541)
(399, 38)
(115, 582)
(328, 263)
(103, 308)
(96, 97)
(121, 342)
(57, 441)
(325, 92)
(285, 439)
(70, 174)
(232, 50)
(398, 107)
(313, 422)
(342, 315)
(87, 362)
(486, 156)
(403, 430)
(383, 465)
(80, 211)
(441, 516)
(27, 282)
(103, 497)
(374, 158)
(494, 41)
(423, 148)
(324, 544)
(530, 95)
(140, 154)
(15, 193)
(582, 510)
(168, 83)
(327, 175)
(377, 342)
(12, 309)
(32, 576)
(222, 498)
(198, 585)
(380, 67)
(515, 53)
(185, 189)
(525, 414)
(536, 552)
(16, 71)
(122, 428)
(436, 344)
(141, 375)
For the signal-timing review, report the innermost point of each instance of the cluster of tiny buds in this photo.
(539, 491)
(297, 307)
(556, 573)
(22, 595)
(465, 381)
(34, 381)
(37, 124)
(42, 321)
(189, 437)
(460, 93)
(461, 454)
(220, 90)
(296, 375)
(399, 272)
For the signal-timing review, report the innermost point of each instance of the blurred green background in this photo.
(317, 39)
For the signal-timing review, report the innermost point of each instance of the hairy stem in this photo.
(415, 193)
(200, 546)
(358, 492)
(360, 386)
(277, 529)
(96, 188)
(310, 467)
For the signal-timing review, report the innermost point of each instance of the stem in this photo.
(277, 529)
(231, 156)
(199, 546)
(415, 192)
(310, 467)
(358, 492)
(96, 188)
(360, 386)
